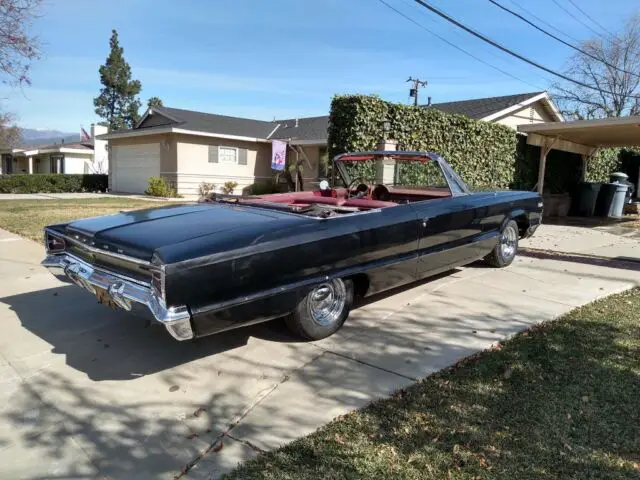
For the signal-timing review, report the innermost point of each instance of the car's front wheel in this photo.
(507, 248)
(323, 310)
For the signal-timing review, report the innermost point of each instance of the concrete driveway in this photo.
(87, 392)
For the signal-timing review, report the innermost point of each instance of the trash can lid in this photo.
(619, 175)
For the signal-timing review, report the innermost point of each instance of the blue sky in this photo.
(286, 58)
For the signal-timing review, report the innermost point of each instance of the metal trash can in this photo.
(584, 201)
(619, 199)
(621, 177)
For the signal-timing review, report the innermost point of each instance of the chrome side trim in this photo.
(98, 250)
(128, 295)
(305, 283)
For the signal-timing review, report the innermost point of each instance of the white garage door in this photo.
(132, 165)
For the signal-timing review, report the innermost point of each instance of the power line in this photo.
(510, 52)
(590, 18)
(541, 20)
(418, 24)
(578, 49)
(481, 47)
(574, 17)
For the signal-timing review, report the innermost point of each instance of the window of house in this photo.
(227, 155)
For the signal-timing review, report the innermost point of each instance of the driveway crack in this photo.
(247, 443)
(216, 445)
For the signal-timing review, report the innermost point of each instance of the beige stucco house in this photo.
(90, 156)
(188, 148)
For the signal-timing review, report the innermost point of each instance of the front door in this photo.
(448, 228)
(388, 246)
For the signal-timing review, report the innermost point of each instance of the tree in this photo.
(118, 101)
(154, 102)
(9, 133)
(18, 48)
(622, 51)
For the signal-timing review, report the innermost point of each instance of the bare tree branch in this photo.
(621, 50)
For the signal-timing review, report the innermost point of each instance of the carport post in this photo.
(544, 151)
(543, 165)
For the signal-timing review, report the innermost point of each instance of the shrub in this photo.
(53, 183)
(205, 189)
(228, 187)
(263, 188)
(158, 187)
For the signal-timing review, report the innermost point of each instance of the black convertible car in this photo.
(391, 218)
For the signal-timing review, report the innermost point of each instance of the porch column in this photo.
(30, 165)
(386, 173)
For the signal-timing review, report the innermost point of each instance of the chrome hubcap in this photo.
(508, 242)
(327, 302)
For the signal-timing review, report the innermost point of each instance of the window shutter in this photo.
(213, 154)
(242, 156)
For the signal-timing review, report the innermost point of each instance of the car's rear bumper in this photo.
(129, 295)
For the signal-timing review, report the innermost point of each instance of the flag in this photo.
(84, 136)
(278, 154)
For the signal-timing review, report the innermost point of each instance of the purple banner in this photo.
(278, 154)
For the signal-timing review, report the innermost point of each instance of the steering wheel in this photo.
(362, 190)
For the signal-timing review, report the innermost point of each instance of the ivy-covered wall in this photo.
(486, 155)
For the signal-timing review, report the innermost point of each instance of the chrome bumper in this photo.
(131, 296)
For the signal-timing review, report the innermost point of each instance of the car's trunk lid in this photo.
(139, 233)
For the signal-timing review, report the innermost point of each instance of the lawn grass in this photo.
(28, 217)
(561, 401)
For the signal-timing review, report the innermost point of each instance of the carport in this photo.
(583, 137)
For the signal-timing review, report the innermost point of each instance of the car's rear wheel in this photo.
(507, 248)
(323, 310)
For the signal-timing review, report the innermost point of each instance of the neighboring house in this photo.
(77, 157)
(188, 148)
(509, 110)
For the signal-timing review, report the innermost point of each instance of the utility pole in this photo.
(413, 92)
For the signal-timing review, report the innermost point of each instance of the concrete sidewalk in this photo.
(91, 393)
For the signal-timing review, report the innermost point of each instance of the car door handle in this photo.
(425, 221)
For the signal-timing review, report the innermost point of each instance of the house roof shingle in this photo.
(310, 128)
(213, 123)
(479, 108)
(53, 146)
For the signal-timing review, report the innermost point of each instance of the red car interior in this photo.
(381, 196)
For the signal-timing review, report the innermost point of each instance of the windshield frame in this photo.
(454, 182)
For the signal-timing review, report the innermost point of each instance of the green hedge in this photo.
(486, 155)
(482, 153)
(53, 183)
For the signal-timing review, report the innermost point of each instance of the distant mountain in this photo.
(32, 136)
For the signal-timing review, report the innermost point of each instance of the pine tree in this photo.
(118, 101)
(154, 102)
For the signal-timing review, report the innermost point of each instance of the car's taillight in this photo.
(157, 281)
(54, 244)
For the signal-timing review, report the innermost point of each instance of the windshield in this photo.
(395, 173)
(418, 170)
